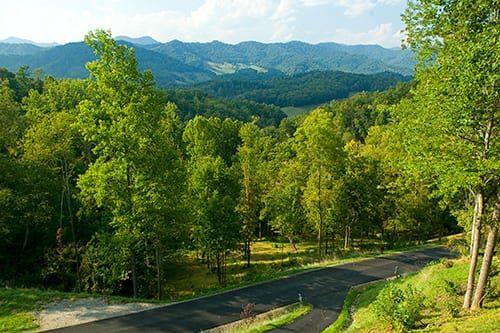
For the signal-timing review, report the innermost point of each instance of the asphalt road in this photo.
(325, 289)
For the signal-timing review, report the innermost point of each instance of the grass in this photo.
(443, 285)
(228, 68)
(266, 321)
(292, 111)
(270, 260)
(344, 314)
(191, 278)
(17, 306)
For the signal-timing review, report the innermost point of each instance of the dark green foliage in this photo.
(176, 63)
(192, 102)
(302, 89)
(358, 113)
(103, 267)
(20, 83)
(294, 57)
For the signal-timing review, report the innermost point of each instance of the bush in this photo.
(459, 245)
(400, 307)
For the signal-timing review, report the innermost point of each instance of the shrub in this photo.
(459, 245)
(400, 307)
(247, 312)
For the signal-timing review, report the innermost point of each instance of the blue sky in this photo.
(231, 21)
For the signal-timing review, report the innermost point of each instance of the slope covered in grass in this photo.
(443, 286)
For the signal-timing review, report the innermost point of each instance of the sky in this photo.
(229, 21)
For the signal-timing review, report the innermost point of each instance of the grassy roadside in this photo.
(266, 321)
(442, 285)
(17, 306)
(270, 261)
(344, 314)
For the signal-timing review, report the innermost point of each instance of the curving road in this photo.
(325, 289)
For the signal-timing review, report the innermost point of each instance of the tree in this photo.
(27, 198)
(358, 197)
(450, 127)
(53, 141)
(213, 187)
(284, 202)
(251, 162)
(135, 174)
(319, 150)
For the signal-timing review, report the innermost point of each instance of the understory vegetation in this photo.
(190, 278)
(428, 301)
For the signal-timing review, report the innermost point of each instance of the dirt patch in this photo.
(68, 313)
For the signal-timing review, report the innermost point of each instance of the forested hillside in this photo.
(102, 184)
(303, 89)
(295, 57)
(68, 61)
(193, 102)
(179, 64)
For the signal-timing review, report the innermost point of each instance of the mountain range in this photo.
(16, 40)
(178, 63)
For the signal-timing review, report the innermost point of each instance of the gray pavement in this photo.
(325, 289)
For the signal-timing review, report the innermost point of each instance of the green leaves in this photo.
(137, 175)
(401, 307)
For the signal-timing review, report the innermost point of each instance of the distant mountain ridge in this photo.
(16, 40)
(144, 40)
(178, 63)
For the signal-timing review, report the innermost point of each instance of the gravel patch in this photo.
(68, 313)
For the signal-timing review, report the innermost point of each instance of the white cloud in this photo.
(226, 20)
(283, 20)
(314, 3)
(383, 34)
(390, 2)
(352, 8)
(355, 7)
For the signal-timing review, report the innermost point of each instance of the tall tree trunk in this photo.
(134, 275)
(71, 221)
(326, 243)
(494, 224)
(320, 212)
(488, 257)
(333, 243)
(26, 235)
(248, 250)
(249, 215)
(61, 207)
(220, 268)
(473, 228)
(158, 272)
(131, 211)
(347, 237)
(479, 199)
